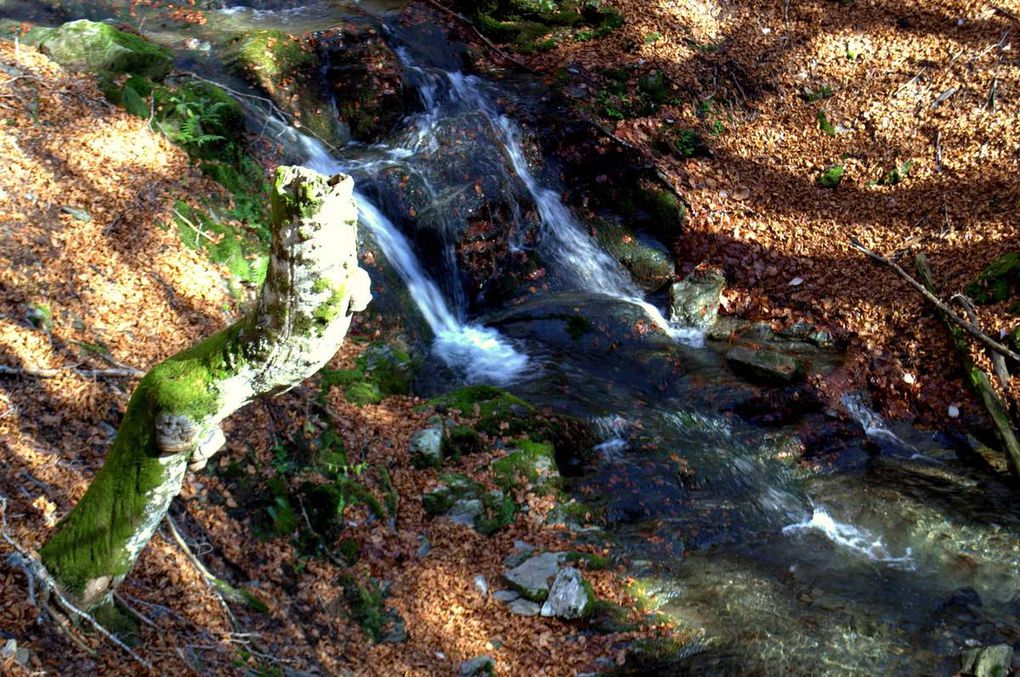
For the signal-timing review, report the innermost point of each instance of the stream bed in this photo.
(817, 542)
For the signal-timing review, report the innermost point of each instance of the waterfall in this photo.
(480, 354)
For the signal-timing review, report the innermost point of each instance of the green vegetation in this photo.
(651, 38)
(101, 48)
(824, 124)
(498, 412)
(528, 464)
(380, 371)
(820, 94)
(998, 282)
(831, 177)
(460, 441)
(895, 175)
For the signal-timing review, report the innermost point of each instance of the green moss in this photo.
(529, 464)
(831, 177)
(499, 412)
(824, 124)
(998, 282)
(99, 47)
(591, 562)
(381, 370)
(92, 540)
(460, 441)
(895, 175)
(268, 55)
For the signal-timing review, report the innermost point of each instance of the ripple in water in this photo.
(856, 540)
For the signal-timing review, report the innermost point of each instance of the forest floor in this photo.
(917, 101)
(92, 281)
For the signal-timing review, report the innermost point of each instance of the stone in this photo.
(648, 260)
(531, 577)
(570, 597)
(694, 301)
(480, 666)
(465, 511)
(764, 365)
(988, 661)
(506, 596)
(99, 47)
(523, 607)
(427, 448)
(482, 585)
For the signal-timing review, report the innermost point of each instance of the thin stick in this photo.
(47, 372)
(975, 332)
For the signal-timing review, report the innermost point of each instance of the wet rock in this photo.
(427, 448)
(481, 666)
(570, 596)
(287, 69)
(989, 661)
(523, 607)
(648, 260)
(99, 47)
(763, 364)
(365, 79)
(532, 577)
(506, 596)
(694, 301)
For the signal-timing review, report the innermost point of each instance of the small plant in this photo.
(824, 124)
(652, 38)
(895, 175)
(831, 177)
(823, 92)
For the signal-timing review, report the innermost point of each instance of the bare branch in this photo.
(978, 335)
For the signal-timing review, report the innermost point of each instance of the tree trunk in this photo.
(173, 419)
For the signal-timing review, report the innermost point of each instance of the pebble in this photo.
(523, 607)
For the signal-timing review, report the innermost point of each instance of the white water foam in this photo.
(856, 540)
(871, 422)
(478, 353)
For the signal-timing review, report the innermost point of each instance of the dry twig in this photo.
(981, 337)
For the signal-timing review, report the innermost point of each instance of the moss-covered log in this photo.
(173, 420)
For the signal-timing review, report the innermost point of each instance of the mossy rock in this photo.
(528, 465)
(998, 282)
(286, 67)
(648, 260)
(99, 47)
(658, 210)
(462, 440)
(499, 412)
(466, 501)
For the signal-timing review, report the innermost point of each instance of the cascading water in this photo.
(479, 353)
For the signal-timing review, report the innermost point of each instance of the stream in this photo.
(827, 542)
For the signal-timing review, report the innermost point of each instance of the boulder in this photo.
(694, 301)
(647, 259)
(480, 666)
(99, 47)
(287, 68)
(764, 365)
(570, 596)
(364, 79)
(532, 577)
(988, 661)
(427, 448)
(523, 607)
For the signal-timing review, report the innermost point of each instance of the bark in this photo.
(172, 421)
